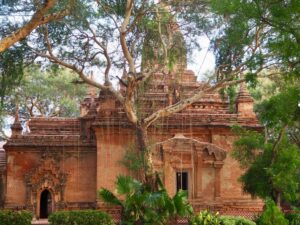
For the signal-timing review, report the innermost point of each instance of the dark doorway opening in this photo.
(182, 181)
(45, 204)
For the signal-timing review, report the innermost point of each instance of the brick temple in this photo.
(60, 163)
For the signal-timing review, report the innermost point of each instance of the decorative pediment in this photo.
(211, 149)
(181, 144)
(46, 175)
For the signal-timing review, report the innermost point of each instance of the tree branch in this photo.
(123, 32)
(37, 19)
(77, 70)
(164, 45)
(105, 53)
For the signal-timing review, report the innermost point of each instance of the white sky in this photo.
(203, 60)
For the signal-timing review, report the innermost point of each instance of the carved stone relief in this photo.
(47, 175)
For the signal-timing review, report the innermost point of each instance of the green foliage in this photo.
(154, 49)
(272, 160)
(47, 93)
(293, 218)
(115, 7)
(133, 161)
(206, 218)
(230, 93)
(8, 217)
(82, 217)
(269, 171)
(284, 171)
(272, 215)
(11, 70)
(246, 148)
(277, 106)
(232, 220)
(251, 78)
(270, 22)
(140, 204)
(281, 109)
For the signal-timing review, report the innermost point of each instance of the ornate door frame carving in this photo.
(47, 175)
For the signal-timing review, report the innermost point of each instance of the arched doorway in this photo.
(45, 204)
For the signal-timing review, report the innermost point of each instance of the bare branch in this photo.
(77, 70)
(105, 53)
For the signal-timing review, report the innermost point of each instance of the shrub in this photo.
(293, 218)
(272, 215)
(205, 218)
(231, 220)
(8, 217)
(80, 217)
(142, 205)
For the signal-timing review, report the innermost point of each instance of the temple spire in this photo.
(244, 95)
(16, 127)
(244, 103)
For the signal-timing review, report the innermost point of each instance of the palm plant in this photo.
(141, 205)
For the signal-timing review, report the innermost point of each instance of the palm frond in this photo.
(126, 185)
(183, 208)
(108, 197)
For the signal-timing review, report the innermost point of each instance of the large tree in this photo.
(273, 28)
(272, 159)
(118, 37)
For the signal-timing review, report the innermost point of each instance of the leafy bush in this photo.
(8, 217)
(231, 220)
(81, 217)
(272, 215)
(142, 205)
(293, 218)
(206, 218)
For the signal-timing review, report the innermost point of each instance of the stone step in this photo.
(40, 222)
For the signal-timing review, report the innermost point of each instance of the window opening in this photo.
(182, 181)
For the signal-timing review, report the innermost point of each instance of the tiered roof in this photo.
(49, 132)
(164, 90)
(104, 110)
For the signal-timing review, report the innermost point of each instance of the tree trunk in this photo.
(147, 172)
(277, 198)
